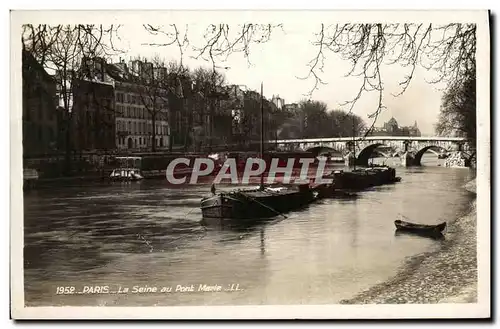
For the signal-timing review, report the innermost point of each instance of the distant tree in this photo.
(314, 120)
(344, 124)
(210, 86)
(458, 110)
(314, 117)
(250, 116)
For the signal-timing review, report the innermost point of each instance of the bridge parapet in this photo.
(414, 146)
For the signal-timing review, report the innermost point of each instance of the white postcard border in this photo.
(480, 309)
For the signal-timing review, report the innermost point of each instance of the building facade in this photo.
(40, 117)
(135, 114)
(139, 106)
(93, 116)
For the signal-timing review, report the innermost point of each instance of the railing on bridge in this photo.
(369, 138)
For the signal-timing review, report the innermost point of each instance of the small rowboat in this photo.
(419, 228)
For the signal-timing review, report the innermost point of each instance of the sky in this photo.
(280, 63)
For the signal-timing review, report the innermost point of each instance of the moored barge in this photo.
(256, 203)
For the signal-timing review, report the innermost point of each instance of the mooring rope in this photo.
(266, 206)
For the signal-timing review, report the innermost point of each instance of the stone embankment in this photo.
(457, 159)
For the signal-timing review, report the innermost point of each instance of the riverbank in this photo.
(448, 275)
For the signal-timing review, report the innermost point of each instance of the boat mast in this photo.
(262, 131)
(353, 143)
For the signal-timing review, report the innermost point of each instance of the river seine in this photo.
(142, 244)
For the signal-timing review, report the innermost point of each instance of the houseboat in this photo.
(258, 203)
(129, 169)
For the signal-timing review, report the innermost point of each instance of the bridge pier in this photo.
(408, 159)
(349, 159)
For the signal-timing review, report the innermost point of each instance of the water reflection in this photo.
(433, 236)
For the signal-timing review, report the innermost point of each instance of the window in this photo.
(129, 127)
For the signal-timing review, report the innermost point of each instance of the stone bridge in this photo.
(410, 148)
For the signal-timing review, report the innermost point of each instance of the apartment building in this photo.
(141, 110)
(40, 117)
(134, 119)
(93, 118)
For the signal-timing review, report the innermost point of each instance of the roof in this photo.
(392, 121)
(29, 59)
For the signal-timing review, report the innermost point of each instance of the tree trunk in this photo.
(211, 125)
(187, 130)
(67, 146)
(153, 133)
(170, 130)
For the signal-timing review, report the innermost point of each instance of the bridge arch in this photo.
(420, 153)
(385, 154)
(364, 155)
(319, 150)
